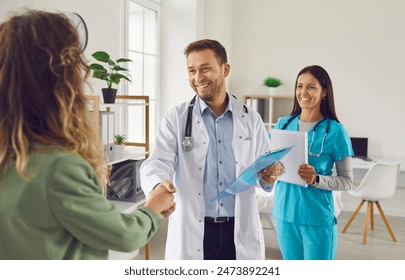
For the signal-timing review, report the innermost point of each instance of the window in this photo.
(142, 47)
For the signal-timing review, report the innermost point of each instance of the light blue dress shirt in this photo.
(220, 163)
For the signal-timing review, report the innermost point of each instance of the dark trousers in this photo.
(219, 240)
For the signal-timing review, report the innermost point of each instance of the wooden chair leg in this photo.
(372, 216)
(147, 251)
(368, 214)
(386, 221)
(353, 216)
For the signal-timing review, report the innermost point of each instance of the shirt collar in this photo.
(204, 106)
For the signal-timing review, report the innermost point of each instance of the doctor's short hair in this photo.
(204, 44)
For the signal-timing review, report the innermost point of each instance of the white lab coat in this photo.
(186, 224)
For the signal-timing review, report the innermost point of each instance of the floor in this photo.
(379, 244)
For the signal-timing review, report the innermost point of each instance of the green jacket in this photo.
(61, 213)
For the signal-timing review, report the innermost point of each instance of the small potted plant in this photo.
(111, 75)
(119, 143)
(272, 83)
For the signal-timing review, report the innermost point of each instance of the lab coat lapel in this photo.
(240, 133)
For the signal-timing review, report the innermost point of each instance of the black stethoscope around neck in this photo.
(313, 134)
(187, 144)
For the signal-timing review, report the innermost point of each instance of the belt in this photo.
(219, 219)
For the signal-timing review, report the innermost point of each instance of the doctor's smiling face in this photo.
(206, 74)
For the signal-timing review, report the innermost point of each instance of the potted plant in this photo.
(272, 83)
(119, 143)
(111, 74)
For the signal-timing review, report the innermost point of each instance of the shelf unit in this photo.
(270, 107)
(133, 152)
(128, 100)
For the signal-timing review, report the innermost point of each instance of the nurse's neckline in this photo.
(311, 119)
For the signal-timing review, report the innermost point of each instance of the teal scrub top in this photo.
(311, 205)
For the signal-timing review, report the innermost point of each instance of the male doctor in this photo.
(225, 138)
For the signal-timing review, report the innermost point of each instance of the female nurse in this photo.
(305, 218)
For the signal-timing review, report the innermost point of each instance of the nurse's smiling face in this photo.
(205, 74)
(309, 92)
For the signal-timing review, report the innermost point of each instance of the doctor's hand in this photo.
(161, 200)
(270, 174)
(307, 173)
(166, 184)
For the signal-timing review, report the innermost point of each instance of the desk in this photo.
(130, 152)
(392, 206)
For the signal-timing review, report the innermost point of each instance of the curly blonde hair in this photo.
(42, 78)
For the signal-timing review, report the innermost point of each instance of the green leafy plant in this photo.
(111, 74)
(119, 139)
(272, 82)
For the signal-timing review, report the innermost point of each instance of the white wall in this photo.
(360, 44)
(102, 17)
(184, 21)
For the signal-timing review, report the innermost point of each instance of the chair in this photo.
(379, 183)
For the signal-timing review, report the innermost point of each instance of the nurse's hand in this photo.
(307, 173)
(270, 174)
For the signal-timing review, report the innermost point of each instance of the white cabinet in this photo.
(270, 107)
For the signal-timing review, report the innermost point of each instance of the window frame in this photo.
(154, 103)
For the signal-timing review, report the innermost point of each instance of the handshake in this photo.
(161, 199)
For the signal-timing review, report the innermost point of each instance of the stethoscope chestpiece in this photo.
(187, 145)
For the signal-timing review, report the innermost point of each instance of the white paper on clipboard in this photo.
(297, 156)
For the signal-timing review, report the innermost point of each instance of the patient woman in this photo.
(52, 168)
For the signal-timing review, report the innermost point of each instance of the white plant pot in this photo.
(273, 91)
(119, 149)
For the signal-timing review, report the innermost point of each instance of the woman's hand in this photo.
(270, 174)
(307, 173)
(169, 211)
(161, 199)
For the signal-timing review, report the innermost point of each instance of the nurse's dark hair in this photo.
(204, 44)
(327, 103)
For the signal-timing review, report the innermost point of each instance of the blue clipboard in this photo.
(249, 177)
